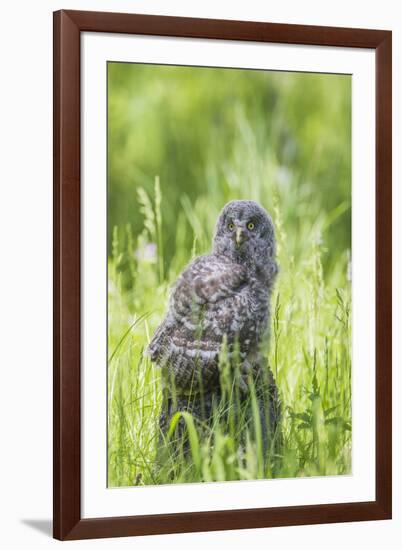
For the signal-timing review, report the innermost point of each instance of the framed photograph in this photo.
(222, 274)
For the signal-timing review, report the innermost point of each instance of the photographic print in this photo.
(229, 274)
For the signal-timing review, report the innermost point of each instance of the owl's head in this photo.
(245, 233)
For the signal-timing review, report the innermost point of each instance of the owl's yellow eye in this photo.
(250, 226)
(231, 227)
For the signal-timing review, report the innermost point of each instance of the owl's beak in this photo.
(239, 236)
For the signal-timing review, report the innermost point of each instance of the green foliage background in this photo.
(183, 141)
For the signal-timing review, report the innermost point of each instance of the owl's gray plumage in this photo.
(220, 298)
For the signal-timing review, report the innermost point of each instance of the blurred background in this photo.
(211, 135)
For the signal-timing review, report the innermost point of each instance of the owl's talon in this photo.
(246, 367)
(243, 385)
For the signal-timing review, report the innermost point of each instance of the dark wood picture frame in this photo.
(68, 26)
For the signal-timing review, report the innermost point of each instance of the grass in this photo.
(309, 355)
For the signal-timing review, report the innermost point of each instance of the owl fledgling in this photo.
(220, 299)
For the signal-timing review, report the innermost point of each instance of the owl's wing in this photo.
(206, 303)
(208, 279)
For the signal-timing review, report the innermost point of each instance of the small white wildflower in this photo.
(146, 253)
